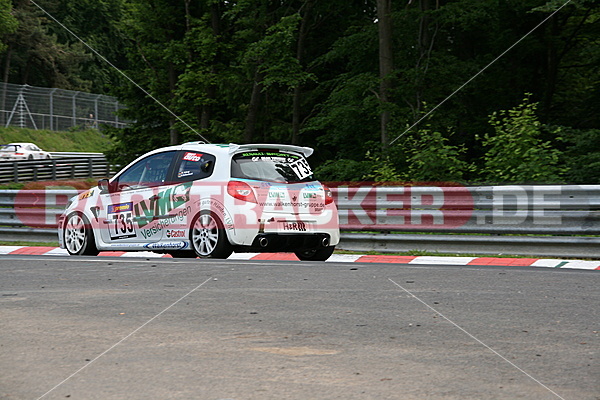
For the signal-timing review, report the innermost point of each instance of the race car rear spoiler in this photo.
(305, 151)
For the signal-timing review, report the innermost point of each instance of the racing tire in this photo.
(320, 254)
(208, 237)
(79, 237)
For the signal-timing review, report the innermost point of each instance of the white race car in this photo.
(22, 151)
(207, 200)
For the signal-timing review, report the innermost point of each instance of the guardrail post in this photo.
(53, 170)
(35, 172)
(90, 167)
(16, 172)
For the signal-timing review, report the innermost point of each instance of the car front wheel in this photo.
(208, 237)
(320, 254)
(79, 236)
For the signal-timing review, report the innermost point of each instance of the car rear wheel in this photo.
(79, 236)
(208, 237)
(320, 254)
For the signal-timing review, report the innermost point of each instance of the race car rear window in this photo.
(271, 166)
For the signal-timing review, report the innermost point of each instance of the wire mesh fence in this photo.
(33, 107)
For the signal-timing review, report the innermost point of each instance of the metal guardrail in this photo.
(566, 213)
(73, 154)
(95, 166)
(481, 220)
(531, 209)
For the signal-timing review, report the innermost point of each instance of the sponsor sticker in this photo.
(167, 246)
(119, 208)
(294, 226)
(175, 233)
(85, 195)
(195, 157)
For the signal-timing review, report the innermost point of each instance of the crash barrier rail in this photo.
(507, 216)
(75, 154)
(69, 167)
(456, 219)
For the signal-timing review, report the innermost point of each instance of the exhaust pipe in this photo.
(325, 242)
(263, 241)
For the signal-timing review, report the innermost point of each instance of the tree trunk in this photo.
(302, 33)
(552, 61)
(252, 115)
(384, 17)
(173, 133)
(424, 46)
(5, 80)
(211, 91)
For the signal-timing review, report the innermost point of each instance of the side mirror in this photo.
(104, 186)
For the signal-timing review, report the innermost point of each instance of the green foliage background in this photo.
(307, 72)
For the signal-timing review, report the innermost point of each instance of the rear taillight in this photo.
(328, 195)
(241, 191)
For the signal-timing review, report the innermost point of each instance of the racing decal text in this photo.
(162, 204)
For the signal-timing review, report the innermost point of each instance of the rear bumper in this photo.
(273, 242)
(287, 231)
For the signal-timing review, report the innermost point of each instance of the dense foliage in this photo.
(347, 77)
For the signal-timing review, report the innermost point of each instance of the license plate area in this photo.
(294, 226)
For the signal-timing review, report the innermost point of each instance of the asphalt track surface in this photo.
(115, 328)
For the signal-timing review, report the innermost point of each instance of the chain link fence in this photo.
(54, 109)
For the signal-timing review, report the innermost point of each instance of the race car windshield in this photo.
(271, 166)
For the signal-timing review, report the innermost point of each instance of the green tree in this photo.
(515, 153)
(432, 158)
(35, 56)
(308, 72)
(96, 22)
(8, 23)
(582, 155)
(156, 56)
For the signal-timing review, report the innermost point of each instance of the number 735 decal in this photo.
(120, 221)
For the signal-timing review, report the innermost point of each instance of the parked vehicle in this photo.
(207, 200)
(22, 151)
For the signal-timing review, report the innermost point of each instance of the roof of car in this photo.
(19, 144)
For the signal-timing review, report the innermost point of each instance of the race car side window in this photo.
(149, 172)
(193, 166)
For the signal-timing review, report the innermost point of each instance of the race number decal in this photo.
(120, 221)
(301, 168)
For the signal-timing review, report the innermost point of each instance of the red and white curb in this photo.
(473, 261)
